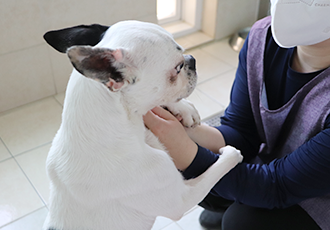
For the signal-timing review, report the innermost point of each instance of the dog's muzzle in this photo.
(190, 69)
(191, 62)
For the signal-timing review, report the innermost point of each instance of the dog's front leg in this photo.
(170, 196)
(185, 111)
(200, 186)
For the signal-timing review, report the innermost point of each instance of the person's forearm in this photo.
(207, 137)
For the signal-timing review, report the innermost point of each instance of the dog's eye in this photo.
(178, 68)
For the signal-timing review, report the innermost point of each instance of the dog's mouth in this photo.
(192, 77)
(188, 92)
(190, 69)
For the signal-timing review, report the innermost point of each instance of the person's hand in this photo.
(172, 134)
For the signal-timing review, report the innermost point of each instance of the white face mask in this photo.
(300, 22)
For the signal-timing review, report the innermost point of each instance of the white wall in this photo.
(29, 68)
(222, 18)
(264, 8)
(235, 15)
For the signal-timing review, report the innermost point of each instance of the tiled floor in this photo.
(26, 134)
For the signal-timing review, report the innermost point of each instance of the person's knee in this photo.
(231, 219)
(215, 204)
(241, 217)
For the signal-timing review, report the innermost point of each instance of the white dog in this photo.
(105, 174)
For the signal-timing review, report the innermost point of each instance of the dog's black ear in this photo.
(100, 64)
(63, 39)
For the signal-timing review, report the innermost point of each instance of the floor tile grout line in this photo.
(190, 210)
(21, 153)
(6, 147)
(11, 155)
(23, 48)
(175, 223)
(26, 176)
(211, 98)
(225, 61)
(22, 217)
(34, 148)
(17, 108)
(212, 78)
(165, 225)
(54, 96)
(34, 188)
(214, 41)
(4, 160)
(218, 58)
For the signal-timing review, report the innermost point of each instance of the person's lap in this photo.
(238, 216)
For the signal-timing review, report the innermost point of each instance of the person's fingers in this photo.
(163, 113)
(151, 120)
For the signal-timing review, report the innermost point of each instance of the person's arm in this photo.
(284, 182)
(207, 136)
(172, 134)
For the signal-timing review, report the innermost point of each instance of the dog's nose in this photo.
(191, 63)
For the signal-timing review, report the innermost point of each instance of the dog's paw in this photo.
(231, 154)
(185, 112)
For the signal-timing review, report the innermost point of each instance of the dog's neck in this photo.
(93, 111)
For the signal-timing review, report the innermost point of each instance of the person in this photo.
(278, 117)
